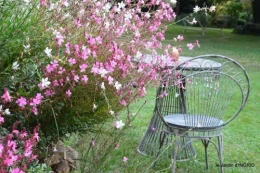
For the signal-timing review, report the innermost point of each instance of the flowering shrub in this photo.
(90, 63)
(96, 62)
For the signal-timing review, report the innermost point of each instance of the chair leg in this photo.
(175, 154)
(206, 144)
(161, 139)
(220, 149)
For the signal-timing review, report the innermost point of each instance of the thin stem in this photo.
(57, 128)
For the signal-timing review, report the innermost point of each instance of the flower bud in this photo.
(135, 84)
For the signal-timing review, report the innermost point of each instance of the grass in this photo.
(241, 136)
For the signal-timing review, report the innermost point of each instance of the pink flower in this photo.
(59, 39)
(99, 40)
(190, 46)
(117, 145)
(27, 153)
(43, 3)
(16, 170)
(197, 43)
(6, 96)
(110, 80)
(21, 102)
(1, 148)
(67, 45)
(153, 129)
(123, 102)
(68, 93)
(83, 67)
(92, 143)
(12, 145)
(37, 100)
(84, 78)
(36, 136)
(125, 159)
(76, 78)
(84, 53)
(49, 93)
(91, 41)
(72, 61)
(77, 22)
(8, 161)
(35, 110)
(41, 86)
(180, 37)
(23, 135)
(2, 119)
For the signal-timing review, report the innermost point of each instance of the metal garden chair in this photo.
(197, 102)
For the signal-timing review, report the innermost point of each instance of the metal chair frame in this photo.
(189, 125)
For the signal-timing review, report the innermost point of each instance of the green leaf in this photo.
(21, 92)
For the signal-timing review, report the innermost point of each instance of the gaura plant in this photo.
(94, 65)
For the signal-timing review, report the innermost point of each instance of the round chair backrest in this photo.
(210, 91)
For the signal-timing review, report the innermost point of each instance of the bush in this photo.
(76, 67)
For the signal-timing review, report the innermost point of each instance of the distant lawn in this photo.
(243, 48)
(241, 136)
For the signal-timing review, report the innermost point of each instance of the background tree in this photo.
(256, 11)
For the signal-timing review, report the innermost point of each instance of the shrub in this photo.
(77, 66)
(81, 62)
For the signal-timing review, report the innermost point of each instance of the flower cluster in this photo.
(101, 46)
(198, 9)
(17, 148)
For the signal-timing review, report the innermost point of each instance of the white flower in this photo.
(111, 112)
(137, 33)
(94, 107)
(174, 1)
(103, 72)
(128, 16)
(66, 15)
(138, 55)
(7, 112)
(45, 82)
(26, 1)
(107, 7)
(15, 65)
(1, 108)
(83, 47)
(196, 9)
(119, 124)
(53, 6)
(66, 4)
(147, 15)
(48, 52)
(177, 94)
(194, 21)
(26, 47)
(212, 8)
(121, 5)
(81, 12)
(55, 32)
(103, 86)
(107, 24)
(117, 85)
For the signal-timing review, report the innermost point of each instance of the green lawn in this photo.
(241, 136)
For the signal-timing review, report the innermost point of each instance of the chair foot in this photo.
(175, 154)
(162, 138)
(220, 148)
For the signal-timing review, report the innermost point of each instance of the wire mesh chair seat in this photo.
(209, 97)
